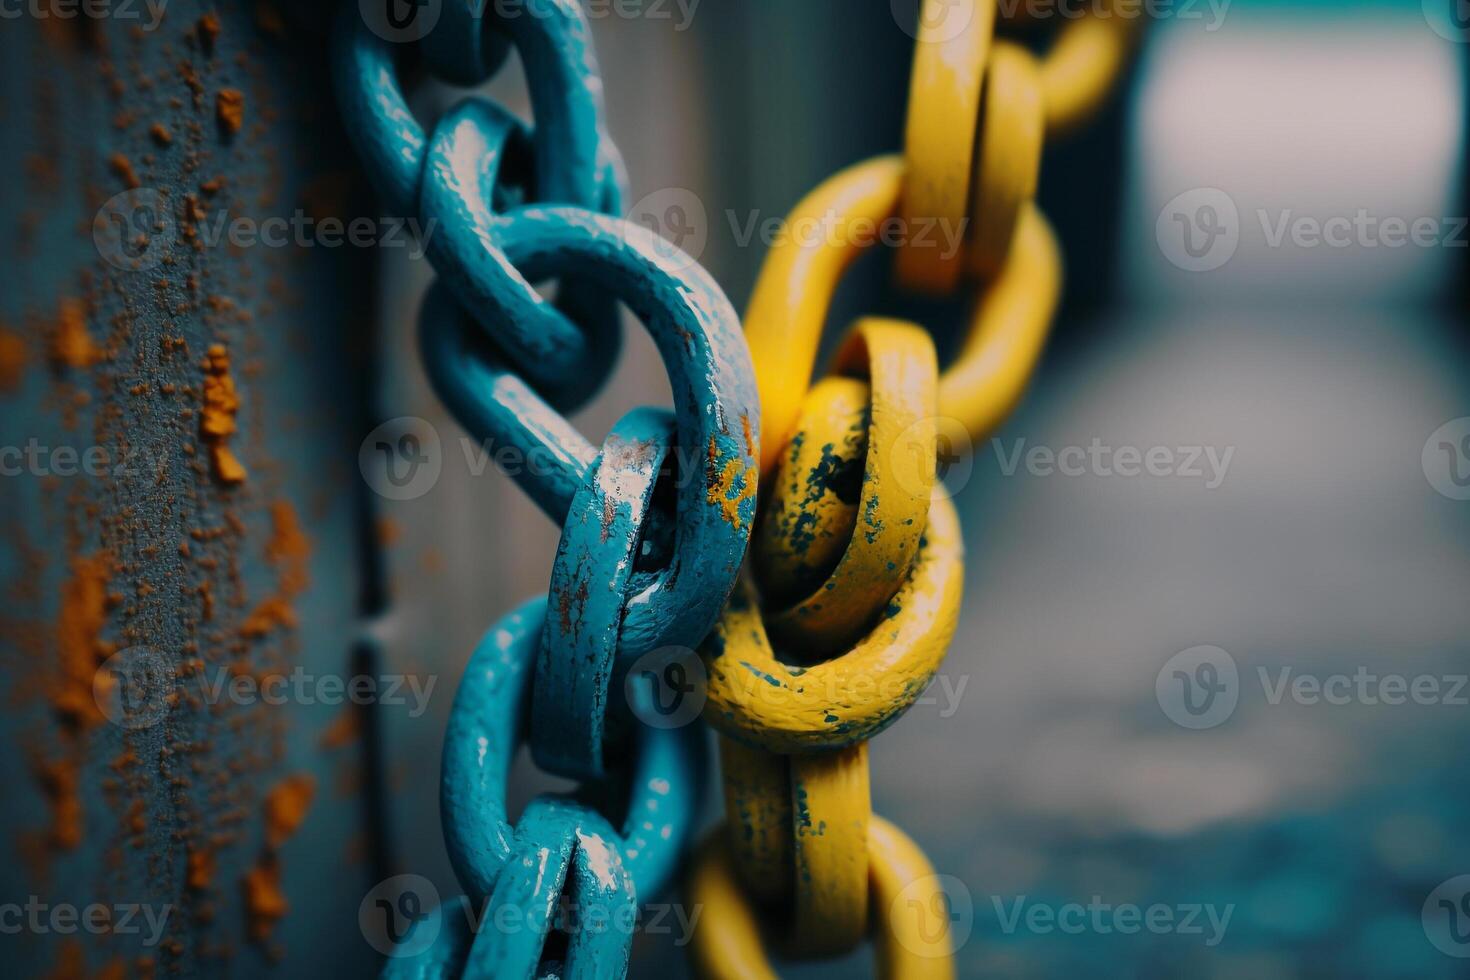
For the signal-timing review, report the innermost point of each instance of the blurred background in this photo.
(1167, 690)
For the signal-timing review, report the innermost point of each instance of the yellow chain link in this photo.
(857, 562)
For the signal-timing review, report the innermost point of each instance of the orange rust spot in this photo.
(12, 359)
(208, 28)
(265, 903)
(266, 617)
(160, 134)
(229, 109)
(71, 343)
(80, 647)
(722, 484)
(289, 550)
(201, 868)
(59, 783)
(389, 531)
(286, 806)
(749, 435)
(217, 416)
(343, 730)
(123, 167)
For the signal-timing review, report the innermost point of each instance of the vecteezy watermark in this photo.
(408, 21)
(1208, 464)
(134, 231)
(402, 458)
(402, 917)
(1446, 917)
(135, 687)
(934, 23)
(934, 903)
(679, 218)
(1201, 687)
(1450, 19)
(301, 230)
(1200, 230)
(150, 12)
(1446, 459)
(1203, 919)
(1211, 12)
(97, 919)
(668, 688)
(36, 458)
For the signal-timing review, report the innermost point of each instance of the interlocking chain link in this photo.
(512, 206)
(857, 561)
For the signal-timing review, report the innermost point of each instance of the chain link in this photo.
(636, 569)
(857, 562)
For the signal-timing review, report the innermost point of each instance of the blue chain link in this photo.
(509, 207)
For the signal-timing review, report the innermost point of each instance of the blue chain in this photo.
(638, 568)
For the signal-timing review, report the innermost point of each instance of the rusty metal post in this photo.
(182, 405)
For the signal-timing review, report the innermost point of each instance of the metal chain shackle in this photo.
(857, 559)
(510, 207)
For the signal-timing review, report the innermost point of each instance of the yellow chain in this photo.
(857, 561)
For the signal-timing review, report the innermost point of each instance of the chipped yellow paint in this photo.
(783, 325)
(940, 138)
(814, 506)
(800, 838)
(851, 492)
(731, 485)
(910, 941)
(756, 698)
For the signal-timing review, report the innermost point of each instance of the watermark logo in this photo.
(1199, 230)
(97, 919)
(1450, 19)
(666, 688)
(954, 463)
(1446, 459)
(401, 21)
(149, 11)
(133, 230)
(1198, 688)
(1100, 918)
(1446, 917)
(936, 23)
(678, 219)
(1207, 464)
(402, 458)
(934, 903)
(397, 916)
(133, 687)
(1201, 687)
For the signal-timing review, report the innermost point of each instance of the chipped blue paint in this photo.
(486, 726)
(600, 545)
(449, 181)
(560, 846)
(506, 208)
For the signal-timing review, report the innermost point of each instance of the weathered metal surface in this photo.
(907, 947)
(596, 561)
(486, 728)
(213, 548)
(757, 698)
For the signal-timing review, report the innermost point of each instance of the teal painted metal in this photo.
(590, 581)
(486, 727)
(560, 846)
(508, 208)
